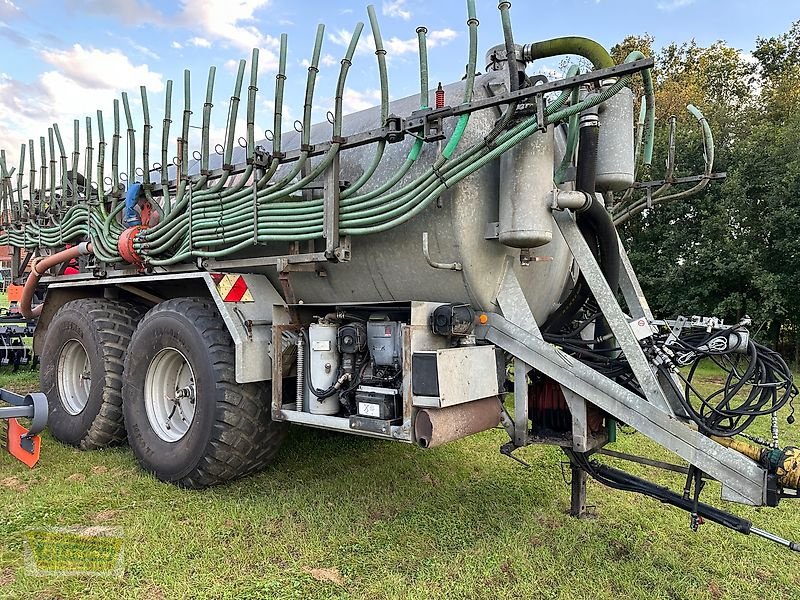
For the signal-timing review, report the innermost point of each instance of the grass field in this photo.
(347, 517)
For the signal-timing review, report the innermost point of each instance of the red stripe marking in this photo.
(237, 291)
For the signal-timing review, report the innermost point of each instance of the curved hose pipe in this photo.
(469, 85)
(131, 138)
(650, 100)
(52, 195)
(38, 269)
(708, 145)
(63, 163)
(708, 137)
(205, 142)
(89, 160)
(581, 46)
(76, 136)
(31, 177)
(280, 82)
(380, 147)
(165, 147)
(251, 105)
(511, 47)
(183, 150)
(17, 209)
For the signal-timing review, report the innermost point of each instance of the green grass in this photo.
(346, 517)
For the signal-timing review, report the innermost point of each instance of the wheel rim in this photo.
(74, 377)
(169, 394)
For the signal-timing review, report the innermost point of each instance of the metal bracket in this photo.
(734, 470)
(433, 129)
(541, 116)
(336, 249)
(612, 312)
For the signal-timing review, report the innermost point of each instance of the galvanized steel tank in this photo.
(391, 266)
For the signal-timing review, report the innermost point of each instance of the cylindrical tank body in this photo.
(525, 195)
(323, 364)
(615, 147)
(390, 266)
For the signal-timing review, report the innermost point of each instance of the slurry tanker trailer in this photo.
(390, 273)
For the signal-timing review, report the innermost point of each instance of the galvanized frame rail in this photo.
(612, 312)
(742, 476)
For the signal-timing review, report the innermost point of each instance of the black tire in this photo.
(104, 329)
(232, 433)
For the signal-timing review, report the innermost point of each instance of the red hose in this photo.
(38, 269)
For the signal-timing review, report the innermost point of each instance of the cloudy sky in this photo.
(64, 59)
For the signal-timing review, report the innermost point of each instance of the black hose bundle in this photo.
(597, 227)
(758, 382)
(621, 480)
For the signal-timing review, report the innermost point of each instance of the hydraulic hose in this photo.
(511, 48)
(650, 100)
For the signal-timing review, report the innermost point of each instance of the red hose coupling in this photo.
(125, 245)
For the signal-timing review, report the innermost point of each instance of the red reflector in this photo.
(238, 290)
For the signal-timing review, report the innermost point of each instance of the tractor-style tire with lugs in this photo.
(219, 430)
(81, 370)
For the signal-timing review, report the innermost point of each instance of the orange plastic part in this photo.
(14, 293)
(125, 245)
(15, 433)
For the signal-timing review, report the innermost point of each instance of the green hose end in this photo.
(416, 149)
(456, 137)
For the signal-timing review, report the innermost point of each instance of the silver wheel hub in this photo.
(74, 377)
(169, 394)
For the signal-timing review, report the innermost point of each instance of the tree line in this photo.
(732, 250)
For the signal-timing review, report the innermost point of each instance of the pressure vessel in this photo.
(462, 226)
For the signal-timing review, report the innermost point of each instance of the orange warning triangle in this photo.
(15, 446)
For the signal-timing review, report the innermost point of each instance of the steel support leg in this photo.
(578, 504)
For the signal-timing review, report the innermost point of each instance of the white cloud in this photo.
(669, 5)
(354, 100)
(394, 46)
(176, 45)
(230, 21)
(233, 23)
(395, 8)
(232, 65)
(60, 94)
(101, 70)
(327, 60)
(199, 42)
(8, 9)
(143, 50)
(130, 12)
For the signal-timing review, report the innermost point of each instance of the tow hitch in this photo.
(24, 444)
